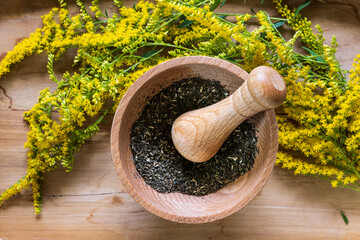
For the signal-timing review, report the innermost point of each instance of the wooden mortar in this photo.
(179, 207)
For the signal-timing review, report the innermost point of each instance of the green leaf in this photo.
(185, 23)
(106, 13)
(222, 4)
(262, 1)
(215, 5)
(317, 56)
(252, 10)
(231, 60)
(303, 5)
(182, 17)
(310, 51)
(279, 24)
(344, 217)
(149, 53)
(347, 172)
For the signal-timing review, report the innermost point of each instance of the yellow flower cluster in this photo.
(80, 95)
(279, 47)
(350, 107)
(301, 24)
(320, 111)
(25, 48)
(198, 15)
(15, 189)
(336, 176)
(315, 42)
(320, 108)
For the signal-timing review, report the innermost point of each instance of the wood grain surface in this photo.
(90, 202)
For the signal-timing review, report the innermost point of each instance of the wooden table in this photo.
(91, 203)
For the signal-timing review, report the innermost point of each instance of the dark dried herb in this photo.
(156, 158)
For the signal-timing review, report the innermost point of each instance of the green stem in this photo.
(136, 64)
(174, 46)
(343, 155)
(253, 16)
(310, 58)
(275, 28)
(226, 21)
(353, 188)
(330, 179)
(167, 22)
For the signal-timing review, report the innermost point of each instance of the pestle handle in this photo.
(199, 134)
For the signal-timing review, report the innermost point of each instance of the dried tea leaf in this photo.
(156, 158)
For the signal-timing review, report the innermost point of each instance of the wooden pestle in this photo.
(199, 134)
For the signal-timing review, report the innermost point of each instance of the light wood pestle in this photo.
(199, 134)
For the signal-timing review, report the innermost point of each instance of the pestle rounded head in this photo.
(267, 87)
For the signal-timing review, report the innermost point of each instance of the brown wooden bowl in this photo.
(176, 206)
